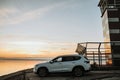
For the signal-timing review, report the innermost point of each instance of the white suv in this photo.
(77, 64)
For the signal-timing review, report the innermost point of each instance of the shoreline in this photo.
(21, 74)
(19, 71)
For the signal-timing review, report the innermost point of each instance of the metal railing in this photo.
(99, 53)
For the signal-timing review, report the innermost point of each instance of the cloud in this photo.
(4, 12)
(16, 16)
(6, 15)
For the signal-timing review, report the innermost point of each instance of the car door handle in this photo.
(60, 63)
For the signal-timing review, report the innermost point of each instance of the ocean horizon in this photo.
(25, 58)
(8, 66)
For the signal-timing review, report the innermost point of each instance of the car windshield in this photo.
(57, 59)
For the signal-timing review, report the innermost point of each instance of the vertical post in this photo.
(115, 3)
(93, 57)
(24, 75)
(112, 52)
(86, 50)
(99, 54)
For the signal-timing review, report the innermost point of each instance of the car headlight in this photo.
(36, 65)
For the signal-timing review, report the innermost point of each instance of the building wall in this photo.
(114, 27)
(106, 35)
(110, 10)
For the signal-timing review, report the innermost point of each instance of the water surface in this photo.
(10, 66)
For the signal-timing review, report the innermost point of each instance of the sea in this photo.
(11, 66)
(8, 66)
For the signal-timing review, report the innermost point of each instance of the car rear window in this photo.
(85, 57)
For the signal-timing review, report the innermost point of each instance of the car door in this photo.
(67, 63)
(56, 66)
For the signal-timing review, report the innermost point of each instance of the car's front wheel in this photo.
(78, 71)
(42, 72)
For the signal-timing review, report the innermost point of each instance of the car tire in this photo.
(42, 72)
(78, 71)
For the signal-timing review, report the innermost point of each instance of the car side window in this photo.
(77, 57)
(69, 58)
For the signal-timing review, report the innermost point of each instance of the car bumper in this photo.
(34, 70)
(89, 69)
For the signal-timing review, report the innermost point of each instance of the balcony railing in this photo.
(99, 53)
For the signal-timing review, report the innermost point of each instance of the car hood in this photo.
(42, 64)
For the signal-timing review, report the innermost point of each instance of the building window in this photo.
(115, 31)
(113, 19)
(118, 2)
(117, 44)
(114, 9)
(116, 55)
(111, 6)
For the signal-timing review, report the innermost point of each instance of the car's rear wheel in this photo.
(42, 72)
(78, 71)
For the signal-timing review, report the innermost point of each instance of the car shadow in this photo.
(65, 75)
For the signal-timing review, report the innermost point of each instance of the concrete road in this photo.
(93, 75)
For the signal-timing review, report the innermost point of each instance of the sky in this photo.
(47, 28)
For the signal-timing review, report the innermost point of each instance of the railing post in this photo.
(93, 57)
(86, 50)
(99, 54)
(24, 75)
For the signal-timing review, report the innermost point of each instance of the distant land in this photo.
(41, 59)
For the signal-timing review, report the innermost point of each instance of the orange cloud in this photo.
(49, 50)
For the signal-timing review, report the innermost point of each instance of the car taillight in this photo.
(87, 61)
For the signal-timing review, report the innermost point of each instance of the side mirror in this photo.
(51, 62)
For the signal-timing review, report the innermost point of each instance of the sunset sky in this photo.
(46, 28)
